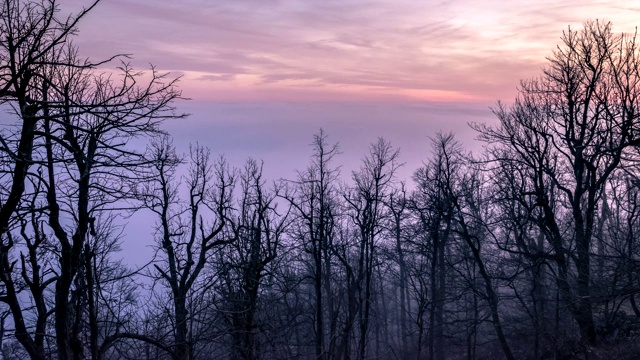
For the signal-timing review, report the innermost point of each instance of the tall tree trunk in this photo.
(319, 328)
(492, 297)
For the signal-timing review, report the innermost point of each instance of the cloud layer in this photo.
(342, 50)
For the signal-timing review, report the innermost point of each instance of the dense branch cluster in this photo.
(525, 251)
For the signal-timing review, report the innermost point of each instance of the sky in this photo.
(264, 75)
(342, 50)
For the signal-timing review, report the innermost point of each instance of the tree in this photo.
(249, 261)
(96, 169)
(33, 39)
(366, 202)
(434, 207)
(570, 130)
(69, 153)
(313, 201)
(398, 204)
(188, 231)
(31, 36)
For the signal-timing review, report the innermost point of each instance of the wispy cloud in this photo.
(353, 49)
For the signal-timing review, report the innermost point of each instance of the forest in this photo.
(524, 250)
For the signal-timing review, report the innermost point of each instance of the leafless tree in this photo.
(69, 151)
(188, 231)
(312, 197)
(373, 186)
(570, 130)
(248, 263)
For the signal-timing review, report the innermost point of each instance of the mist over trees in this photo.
(525, 250)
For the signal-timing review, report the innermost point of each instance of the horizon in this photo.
(264, 77)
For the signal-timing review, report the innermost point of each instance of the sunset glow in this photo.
(344, 50)
(276, 71)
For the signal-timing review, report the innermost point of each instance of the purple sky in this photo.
(342, 50)
(264, 75)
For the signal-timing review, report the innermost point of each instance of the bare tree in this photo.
(312, 197)
(247, 264)
(373, 186)
(570, 129)
(188, 231)
(398, 205)
(32, 36)
(434, 207)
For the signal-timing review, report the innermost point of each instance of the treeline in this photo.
(527, 250)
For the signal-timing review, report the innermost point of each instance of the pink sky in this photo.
(346, 50)
(265, 75)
